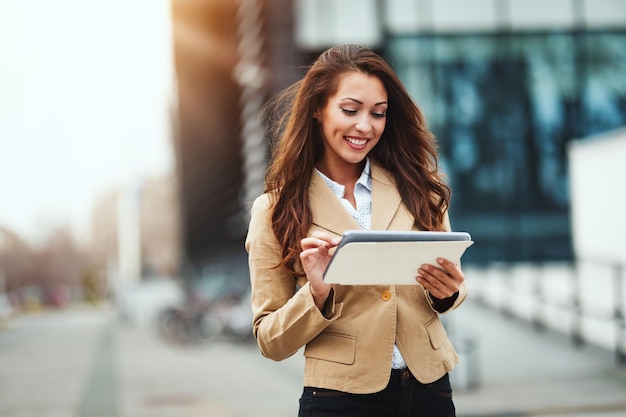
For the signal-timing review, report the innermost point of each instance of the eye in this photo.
(379, 115)
(349, 112)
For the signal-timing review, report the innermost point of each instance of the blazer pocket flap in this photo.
(436, 333)
(333, 347)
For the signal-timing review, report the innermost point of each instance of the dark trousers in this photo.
(404, 396)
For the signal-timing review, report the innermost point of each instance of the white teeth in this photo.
(358, 142)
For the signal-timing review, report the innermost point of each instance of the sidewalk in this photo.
(525, 372)
(522, 372)
(88, 363)
(216, 379)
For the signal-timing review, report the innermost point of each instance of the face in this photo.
(352, 120)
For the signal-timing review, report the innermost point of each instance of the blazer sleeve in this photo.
(284, 318)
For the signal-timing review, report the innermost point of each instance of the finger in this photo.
(446, 271)
(435, 273)
(313, 242)
(331, 239)
(307, 253)
(451, 269)
(436, 281)
(440, 292)
(315, 254)
(436, 289)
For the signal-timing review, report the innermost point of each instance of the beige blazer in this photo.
(351, 350)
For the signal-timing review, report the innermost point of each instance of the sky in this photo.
(86, 89)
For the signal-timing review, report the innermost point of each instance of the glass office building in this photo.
(505, 86)
(505, 107)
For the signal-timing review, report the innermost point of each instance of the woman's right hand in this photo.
(317, 250)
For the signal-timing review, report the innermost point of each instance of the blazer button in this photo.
(386, 295)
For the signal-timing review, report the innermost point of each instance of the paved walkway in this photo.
(525, 372)
(86, 363)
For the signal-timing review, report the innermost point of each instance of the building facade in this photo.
(505, 86)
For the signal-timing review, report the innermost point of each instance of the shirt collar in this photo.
(366, 177)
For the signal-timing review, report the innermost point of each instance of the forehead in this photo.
(360, 86)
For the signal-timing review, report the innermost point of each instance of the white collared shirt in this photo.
(362, 214)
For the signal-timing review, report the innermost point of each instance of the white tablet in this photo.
(381, 257)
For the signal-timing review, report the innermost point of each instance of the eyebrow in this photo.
(361, 103)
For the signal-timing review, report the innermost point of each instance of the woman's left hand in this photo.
(443, 281)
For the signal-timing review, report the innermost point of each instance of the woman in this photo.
(353, 152)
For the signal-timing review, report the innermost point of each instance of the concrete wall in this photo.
(598, 201)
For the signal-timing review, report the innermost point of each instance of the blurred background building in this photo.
(157, 224)
(506, 85)
(229, 57)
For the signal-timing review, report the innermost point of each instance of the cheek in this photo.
(337, 128)
(380, 128)
(328, 132)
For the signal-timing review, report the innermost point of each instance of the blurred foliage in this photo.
(52, 273)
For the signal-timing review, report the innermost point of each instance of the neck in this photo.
(346, 175)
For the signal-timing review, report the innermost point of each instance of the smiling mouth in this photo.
(355, 141)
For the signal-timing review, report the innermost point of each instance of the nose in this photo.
(364, 124)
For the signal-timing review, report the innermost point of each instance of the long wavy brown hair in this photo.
(406, 148)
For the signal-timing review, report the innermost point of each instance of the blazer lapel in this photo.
(386, 202)
(328, 212)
